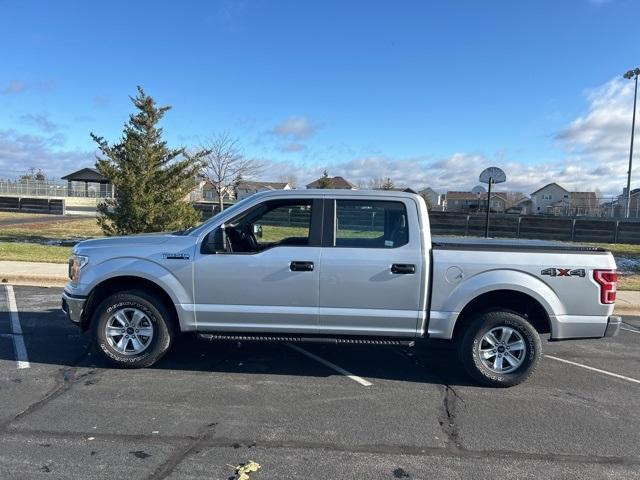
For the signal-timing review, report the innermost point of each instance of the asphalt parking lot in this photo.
(403, 413)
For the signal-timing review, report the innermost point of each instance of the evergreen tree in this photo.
(151, 181)
(388, 184)
(324, 181)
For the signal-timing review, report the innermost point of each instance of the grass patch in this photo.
(629, 282)
(623, 249)
(21, 215)
(60, 228)
(33, 252)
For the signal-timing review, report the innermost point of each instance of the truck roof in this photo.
(335, 192)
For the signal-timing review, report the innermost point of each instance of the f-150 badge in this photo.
(564, 272)
(175, 256)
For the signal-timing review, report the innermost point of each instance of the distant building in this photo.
(246, 189)
(209, 192)
(462, 202)
(543, 198)
(333, 182)
(95, 184)
(618, 208)
(470, 202)
(433, 198)
(552, 199)
(521, 207)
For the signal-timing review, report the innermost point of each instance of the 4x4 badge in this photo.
(564, 272)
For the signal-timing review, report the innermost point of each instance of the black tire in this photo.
(469, 349)
(159, 318)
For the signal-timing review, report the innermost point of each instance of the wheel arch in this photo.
(510, 300)
(123, 283)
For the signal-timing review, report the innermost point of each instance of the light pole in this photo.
(629, 75)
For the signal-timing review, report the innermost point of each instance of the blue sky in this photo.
(425, 92)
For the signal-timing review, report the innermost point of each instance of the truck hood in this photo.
(128, 241)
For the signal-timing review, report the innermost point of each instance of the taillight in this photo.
(607, 280)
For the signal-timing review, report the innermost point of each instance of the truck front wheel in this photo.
(132, 329)
(500, 349)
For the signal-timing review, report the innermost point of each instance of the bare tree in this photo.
(225, 166)
(381, 183)
(375, 183)
(289, 178)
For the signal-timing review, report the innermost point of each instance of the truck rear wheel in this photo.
(132, 329)
(500, 349)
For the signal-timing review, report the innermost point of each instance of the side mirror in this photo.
(257, 230)
(215, 242)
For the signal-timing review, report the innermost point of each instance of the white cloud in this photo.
(19, 152)
(596, 147)
(294, 128)
(292, 147)
(40, 120)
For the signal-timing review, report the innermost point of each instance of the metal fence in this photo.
(50, 189)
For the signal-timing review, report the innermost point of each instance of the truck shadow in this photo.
(52, 340)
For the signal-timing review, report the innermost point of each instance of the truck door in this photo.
(259, 272)
(372, 267)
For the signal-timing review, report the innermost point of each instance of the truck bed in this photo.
(506, 245)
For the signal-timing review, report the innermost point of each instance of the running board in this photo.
(213, 337)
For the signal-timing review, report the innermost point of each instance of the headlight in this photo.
(76, 262)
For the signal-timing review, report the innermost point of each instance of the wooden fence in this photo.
(578, 229)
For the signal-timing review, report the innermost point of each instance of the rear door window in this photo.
(371, 224)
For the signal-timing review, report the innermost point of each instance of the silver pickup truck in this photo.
(339, 266)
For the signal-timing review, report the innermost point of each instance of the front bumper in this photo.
(73, 306)
(613, 326)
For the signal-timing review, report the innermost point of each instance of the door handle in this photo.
(296, 266)
(403, 268)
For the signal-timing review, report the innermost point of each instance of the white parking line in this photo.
(335, 367)
(22, 359)
(611, 374)
(629, 330)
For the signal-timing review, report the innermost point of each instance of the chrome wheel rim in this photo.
(502, 349)
(129, 331)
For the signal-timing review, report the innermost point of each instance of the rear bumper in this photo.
(73, 307)
(613, 326)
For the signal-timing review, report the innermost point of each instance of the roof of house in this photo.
(208, 184)
(499, 195)
(402, 189)
(333, 182)
(548, 185)
(462, 196)
(263, 185)
(475, 196)
(86, 175)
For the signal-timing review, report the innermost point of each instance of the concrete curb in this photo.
(34, 280)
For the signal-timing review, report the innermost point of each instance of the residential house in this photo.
(333, 182)
(246, 189)
(619, 208)
(469, 202)
(543, 198)
(520, 207)
(552, 199)
(210, 194)
(462, 202)
(498, 202)
(433, 198)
